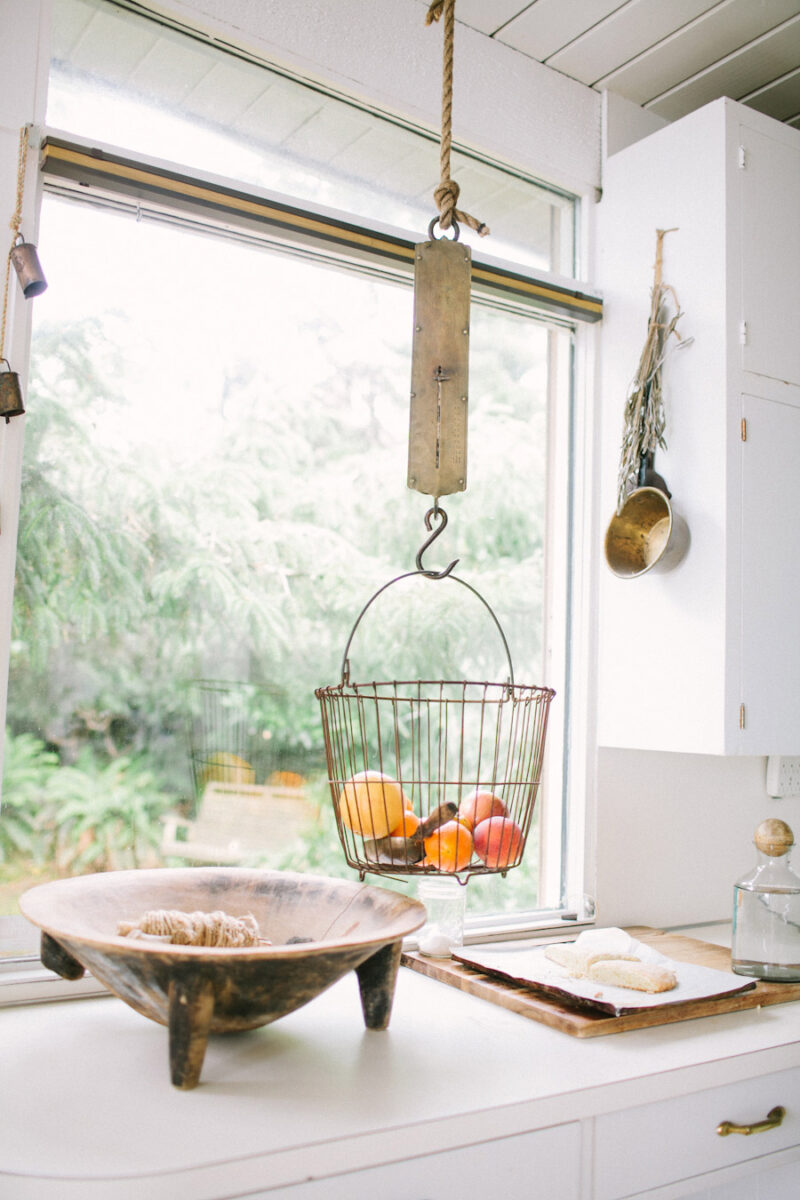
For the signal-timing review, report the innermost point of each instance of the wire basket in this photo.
(406, 758)
(231, 736)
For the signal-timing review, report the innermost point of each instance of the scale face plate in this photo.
(437, 443)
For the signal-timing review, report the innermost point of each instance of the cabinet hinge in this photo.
(743, 333)
(744, 429)
(741, 716)
(742, 158)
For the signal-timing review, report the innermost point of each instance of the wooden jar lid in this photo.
(774, 837)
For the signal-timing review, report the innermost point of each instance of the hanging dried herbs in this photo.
(645, 420)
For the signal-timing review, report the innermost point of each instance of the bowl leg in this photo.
(191, 1007)
(57, 959)
(377, 977)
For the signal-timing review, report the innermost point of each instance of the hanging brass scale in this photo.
(437, 443)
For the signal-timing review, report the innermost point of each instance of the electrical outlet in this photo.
(783, 776)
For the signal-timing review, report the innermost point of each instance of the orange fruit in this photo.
(409, 823)
(449, 848)
(223, 767)
(371, 804)
(288, 779)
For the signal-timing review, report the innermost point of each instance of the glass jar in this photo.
(445, 902)
(766, 910)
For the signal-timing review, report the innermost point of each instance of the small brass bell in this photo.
(10, 394)
(28, 268)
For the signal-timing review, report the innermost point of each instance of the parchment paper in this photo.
(529, 966)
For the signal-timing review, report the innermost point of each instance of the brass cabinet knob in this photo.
(771, 1121)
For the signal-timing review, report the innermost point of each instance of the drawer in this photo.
(527, 1166)
(656, 1144)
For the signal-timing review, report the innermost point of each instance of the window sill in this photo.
(23, 979)
(26, 981)
(31, 983)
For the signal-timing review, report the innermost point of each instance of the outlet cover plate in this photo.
(783, 776)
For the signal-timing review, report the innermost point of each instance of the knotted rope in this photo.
(14, 225)
(447, 191)
(194, 929)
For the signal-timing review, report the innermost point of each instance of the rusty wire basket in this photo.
(433, 746)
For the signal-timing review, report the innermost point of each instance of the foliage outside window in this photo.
(214, 484)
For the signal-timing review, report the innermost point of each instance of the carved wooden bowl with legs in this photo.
(318, 930)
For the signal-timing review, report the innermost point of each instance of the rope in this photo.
(194, 929)
(14, 225)
(447, 191)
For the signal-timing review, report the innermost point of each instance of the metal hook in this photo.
(453, 225)
(439, 513)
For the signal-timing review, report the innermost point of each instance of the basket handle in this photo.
(447, 574)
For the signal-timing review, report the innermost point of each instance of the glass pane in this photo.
(122, 79)
(214, 486)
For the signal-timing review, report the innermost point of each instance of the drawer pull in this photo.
(771, 1121)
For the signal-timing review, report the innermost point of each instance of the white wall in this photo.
(674, 831)
(23, 71)
(504, 102)
(625, 123)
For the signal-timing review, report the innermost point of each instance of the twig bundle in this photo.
(644, 418)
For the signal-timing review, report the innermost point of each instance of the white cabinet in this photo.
(315, 1109)
(768, 172)
(770, 659)
(665, 1149)
(771, 1183)
(706, 658)
(676, 1141)
(530, 1165)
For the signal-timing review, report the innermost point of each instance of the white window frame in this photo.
(572, 575)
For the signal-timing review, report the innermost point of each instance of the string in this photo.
(14, 225)
(195, 929)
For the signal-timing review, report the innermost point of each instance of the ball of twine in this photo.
(195, 929)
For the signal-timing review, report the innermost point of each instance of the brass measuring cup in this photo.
(646, 534)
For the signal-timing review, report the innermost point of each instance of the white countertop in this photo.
(87, 1109)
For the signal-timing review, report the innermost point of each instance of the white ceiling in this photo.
(670, 56)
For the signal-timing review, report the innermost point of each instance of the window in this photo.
(141, 86)
(214, 473)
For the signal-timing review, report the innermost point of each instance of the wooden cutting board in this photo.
(522, 999)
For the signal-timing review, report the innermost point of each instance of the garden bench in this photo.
(238, 821)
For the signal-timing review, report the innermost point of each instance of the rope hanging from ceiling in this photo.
(447, 190)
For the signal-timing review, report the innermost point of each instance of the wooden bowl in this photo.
(197, 990)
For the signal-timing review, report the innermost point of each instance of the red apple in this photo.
(479, 806)
(498, 841)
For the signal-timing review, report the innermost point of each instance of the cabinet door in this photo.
(770, 1183)
(527, 1166)
(770, 241)
(770, 652)
(675, 1142)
